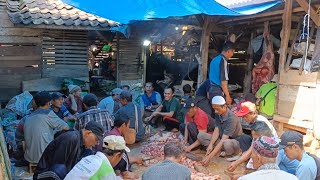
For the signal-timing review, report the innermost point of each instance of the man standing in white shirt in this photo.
(265, 151)
(100, 166)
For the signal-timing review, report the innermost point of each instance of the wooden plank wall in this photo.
(20, 55)
(129, 65)
(65, 53)
(297, 98)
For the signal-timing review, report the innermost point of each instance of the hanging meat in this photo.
(263, 72)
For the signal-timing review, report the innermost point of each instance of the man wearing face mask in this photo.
(227, 136)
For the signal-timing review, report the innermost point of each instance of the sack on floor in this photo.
(130, 136)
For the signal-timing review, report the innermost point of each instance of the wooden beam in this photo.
(261, 15)
(204, 48)
(295, 37)
(285, 34)
(248, 75)
(313, 14)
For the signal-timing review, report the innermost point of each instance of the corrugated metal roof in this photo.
(53, 12)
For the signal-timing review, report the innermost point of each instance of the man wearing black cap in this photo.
(60, 110)
(218, 73)
(92, 113)
(196, 120)
(292, 143)
(66, 150)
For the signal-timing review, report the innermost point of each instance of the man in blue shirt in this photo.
(292, 143)
(150, 101)
(218, 73)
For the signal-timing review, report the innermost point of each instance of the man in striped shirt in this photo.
(93, 113)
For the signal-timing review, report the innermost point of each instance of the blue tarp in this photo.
(124, 11)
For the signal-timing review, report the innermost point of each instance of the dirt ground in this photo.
(217, 166)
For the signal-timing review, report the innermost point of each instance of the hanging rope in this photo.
(308, 32)
(305, 34)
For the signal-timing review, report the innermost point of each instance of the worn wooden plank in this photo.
(71, 67)
(65, 44)
(21, 58)
(19, 63)
(292, 77)
(133, 76)
(84, 41)
(11, 31)
(19, 40)
(295, 101)
(49, 60)
(293, 124)
(46, 84)
(19, 70)
(67, 55)
(316, 113)
(65, 73)
(20, 50)
(64, 51)
(14, 81)
(48, 47)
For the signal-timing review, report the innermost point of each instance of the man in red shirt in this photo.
(196, 120)
(121, 125)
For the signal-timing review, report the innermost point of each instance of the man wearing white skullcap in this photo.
(227, 136)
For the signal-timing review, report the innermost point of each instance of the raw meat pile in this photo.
(201, 176)
(154, 147)
(153, 153)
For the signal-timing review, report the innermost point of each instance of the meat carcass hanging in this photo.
(263, 72)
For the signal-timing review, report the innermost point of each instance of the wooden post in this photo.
(285, 36)
(144, 60)
(248, 76)
(296, 33)
(285, 33)
(204, 48)
(118, 58)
